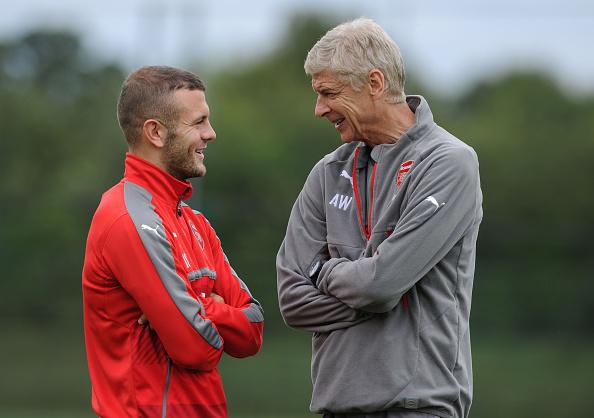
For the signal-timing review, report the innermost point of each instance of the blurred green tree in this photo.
(58, 152)
(535, 144)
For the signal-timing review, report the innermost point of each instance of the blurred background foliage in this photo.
(532, 318)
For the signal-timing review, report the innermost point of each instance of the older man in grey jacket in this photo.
(378, 258)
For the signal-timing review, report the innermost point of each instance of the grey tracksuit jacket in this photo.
(378, 262)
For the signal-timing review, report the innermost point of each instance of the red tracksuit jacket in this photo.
(149, 253)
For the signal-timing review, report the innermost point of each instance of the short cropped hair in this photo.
(354, 48)
(147, 93)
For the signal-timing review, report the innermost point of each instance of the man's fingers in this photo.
(143, 321)
(217, 298)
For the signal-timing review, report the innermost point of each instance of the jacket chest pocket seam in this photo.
(202, 272)
(202, 280)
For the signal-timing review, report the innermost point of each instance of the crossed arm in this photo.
(194, 330)
(302, 252)
(443, 203)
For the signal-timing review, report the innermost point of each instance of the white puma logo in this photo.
(432, 200)
(144, 226)
(346, 176)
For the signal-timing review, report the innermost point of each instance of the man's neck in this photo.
(150, 155)
(393, 121)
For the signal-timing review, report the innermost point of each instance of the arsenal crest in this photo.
(197, 234)
(403, 171)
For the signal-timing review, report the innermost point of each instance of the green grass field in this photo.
(44, 376)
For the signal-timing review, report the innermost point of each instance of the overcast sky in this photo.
(447, 44)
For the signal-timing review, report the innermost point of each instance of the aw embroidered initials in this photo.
(404, 169)
(340, 201)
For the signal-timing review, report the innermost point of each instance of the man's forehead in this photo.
(188, 95)
(326, 78)
(191, 100)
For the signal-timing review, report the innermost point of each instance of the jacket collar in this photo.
(423, 117)
(159, 183)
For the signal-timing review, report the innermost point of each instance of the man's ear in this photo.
(377, 82)
(155, 132)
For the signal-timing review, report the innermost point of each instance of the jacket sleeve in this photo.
(144, 264)
(299, 259)
(443, 204)
(240, 320)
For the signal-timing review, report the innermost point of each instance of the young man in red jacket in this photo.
(151, 260)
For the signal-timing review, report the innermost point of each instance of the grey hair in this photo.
(354, 48)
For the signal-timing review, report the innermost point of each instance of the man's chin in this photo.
(346, 136)
(192, 174)
(200, 172)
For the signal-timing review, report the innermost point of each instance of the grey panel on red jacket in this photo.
(151, 231)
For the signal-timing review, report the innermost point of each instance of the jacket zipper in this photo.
(167, 379)
(179, 202)
(366, 228)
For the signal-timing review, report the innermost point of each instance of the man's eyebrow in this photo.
(200, 118)
(195, 121)
(321, 88)
(328, 90)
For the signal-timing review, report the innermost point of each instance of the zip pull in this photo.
(179, 202)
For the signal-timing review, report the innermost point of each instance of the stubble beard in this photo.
(178, 161)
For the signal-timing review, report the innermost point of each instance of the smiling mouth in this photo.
(338, 122)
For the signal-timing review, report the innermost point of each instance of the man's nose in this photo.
(210, 134)
(321, 108)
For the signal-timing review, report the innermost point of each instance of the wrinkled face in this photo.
(349, 110)
(185, 144)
